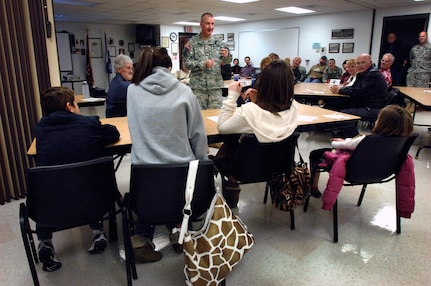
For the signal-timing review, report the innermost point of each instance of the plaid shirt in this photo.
(388, 77)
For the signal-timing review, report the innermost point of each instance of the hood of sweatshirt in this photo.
(160, 82)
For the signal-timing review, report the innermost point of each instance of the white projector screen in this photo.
(259, 44)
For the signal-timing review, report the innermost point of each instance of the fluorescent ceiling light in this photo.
(240, 1)
(184, 23)
(295, 10)
(228, 19)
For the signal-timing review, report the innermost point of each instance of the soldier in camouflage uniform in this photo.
(202, 56)
(420, 59)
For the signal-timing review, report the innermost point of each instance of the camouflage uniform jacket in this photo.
(194, 59)
(420, 59)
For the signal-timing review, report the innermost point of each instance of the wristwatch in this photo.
(173, 36)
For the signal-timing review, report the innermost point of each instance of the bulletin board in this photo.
(64, 51)
(259, 44)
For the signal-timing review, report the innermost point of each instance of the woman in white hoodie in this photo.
(271, 116)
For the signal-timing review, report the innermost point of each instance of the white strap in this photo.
(190, 188)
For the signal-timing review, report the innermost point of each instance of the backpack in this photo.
(289, 190)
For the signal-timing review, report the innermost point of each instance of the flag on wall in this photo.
(89, 70)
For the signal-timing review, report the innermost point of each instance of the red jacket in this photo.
(405, 183)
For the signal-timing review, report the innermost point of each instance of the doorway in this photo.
(406, 29)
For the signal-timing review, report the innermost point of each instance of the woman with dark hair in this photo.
(166, 126)
(271, 115)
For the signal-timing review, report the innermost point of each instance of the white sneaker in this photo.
(99, 243)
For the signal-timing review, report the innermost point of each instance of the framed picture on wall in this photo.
(131, 47)
(219, 37)
(165, 42)
(348, 47)
(334, 47)
(231, 45)
(95, 47)
(112, 51)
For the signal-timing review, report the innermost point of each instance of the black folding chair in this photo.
(157, 196)
(377, 159)
(66, 196)
(256, 162)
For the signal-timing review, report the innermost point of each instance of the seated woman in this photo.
(271, 116)
(116, 97)
(166, 126)
(393, 120)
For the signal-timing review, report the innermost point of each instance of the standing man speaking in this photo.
(203, 56)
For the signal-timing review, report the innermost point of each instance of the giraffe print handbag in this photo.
(211, 252)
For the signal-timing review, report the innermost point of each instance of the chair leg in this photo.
(307, 201)
(335, 221)
(265, 197)
(113, 232)
(361, 196)
(419, 150)
(292, 219)
(28, 242)
(130, 258)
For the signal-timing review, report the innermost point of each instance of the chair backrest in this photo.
(119, 109)
(377, 157)
(64, 196)
(157, 191)
(256, 162)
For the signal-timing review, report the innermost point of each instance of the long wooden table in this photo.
(312, 118)
(420, 96)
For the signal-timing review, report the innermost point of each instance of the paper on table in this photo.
(213, 118)
(427, 90)
(306, 118)
(336, 116)
(93, 99)
(313, 91)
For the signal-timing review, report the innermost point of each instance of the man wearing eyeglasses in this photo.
(367, 95)
(385, 68)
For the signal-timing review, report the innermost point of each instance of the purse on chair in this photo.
(289, 190)
(211, 252)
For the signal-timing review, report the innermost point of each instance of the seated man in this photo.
(299, 71)
(315, 73)
(385, 68)
(116, 98)
(367, 94)
(64, 136)
(248, 69)
(332, 71)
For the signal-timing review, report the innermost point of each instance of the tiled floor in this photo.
(369, 252)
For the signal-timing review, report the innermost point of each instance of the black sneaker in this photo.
(173, 238)
(99, 243)
(316, 193)
(47, 257)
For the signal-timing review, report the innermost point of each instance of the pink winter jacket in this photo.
(405, 183)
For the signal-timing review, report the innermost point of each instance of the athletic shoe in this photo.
(47, 257)
(99, 243)
(315, 193)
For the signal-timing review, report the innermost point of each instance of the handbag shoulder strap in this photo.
(190, 188)
(299, 153)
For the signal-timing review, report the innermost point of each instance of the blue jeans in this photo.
(309, 79)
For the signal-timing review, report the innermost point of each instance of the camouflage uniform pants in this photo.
(418, 79)
(209, 98)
